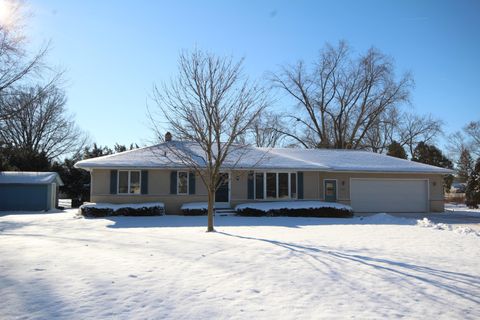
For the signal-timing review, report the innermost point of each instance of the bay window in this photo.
(271, 185)
(293, 185)
(275, 185)
(259, 185)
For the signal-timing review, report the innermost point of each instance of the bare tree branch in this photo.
(342, 99)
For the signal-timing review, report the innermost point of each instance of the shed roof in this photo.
(166, 155)
(23, 177)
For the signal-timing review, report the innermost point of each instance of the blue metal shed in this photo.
(28, 191)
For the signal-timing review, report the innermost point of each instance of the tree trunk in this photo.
(211, 199)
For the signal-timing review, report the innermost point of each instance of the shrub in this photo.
(97, 212)
(145, 211)
(194, 212)
(324, 212)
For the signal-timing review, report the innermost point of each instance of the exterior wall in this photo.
(238, 186)
(159, 188)
(435, 185)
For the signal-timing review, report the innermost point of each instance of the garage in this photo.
(28, 191)
(389, 195)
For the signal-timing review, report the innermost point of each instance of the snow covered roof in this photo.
(166, 155)
(22, 177)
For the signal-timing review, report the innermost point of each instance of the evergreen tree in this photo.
(464, 165)
(429, 154)
(395, 149)
(77, 181)
(119, 148)
(96, 151)
(472, 192)
(16, 159)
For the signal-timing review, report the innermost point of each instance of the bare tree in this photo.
(267, 131)
(472, 131)
(17, 66)
(413, 129)
(342, 98)
(211, 104)
(41, 125)
(383, 132)
(467, 139)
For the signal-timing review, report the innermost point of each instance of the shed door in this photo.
(389, 195)
(27, 197)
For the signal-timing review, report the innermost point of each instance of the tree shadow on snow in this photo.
(170, 221)
(462, 285)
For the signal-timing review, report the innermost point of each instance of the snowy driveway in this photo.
(54, 266)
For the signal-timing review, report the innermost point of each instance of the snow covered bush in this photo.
(194, 209)
(96, 210)
(295, 209)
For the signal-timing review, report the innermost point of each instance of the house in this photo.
(28, 191)
(369, 182)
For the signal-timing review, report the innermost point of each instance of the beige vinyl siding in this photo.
(435, 185)
(159, 188)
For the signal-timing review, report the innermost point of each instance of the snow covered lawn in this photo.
(58, 266)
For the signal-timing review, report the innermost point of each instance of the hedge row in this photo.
(324, 212)
(126, 211)
(194, 212)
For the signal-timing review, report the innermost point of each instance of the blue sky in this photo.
(114, 51)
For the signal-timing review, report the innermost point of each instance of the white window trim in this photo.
(128, 184)
(276, 185)
(188, 182)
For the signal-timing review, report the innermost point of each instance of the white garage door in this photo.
(389, 195)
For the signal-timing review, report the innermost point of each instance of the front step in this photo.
(224, 212)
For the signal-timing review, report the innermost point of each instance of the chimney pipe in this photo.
(168, 137)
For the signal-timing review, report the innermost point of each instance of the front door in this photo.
(330, 190)
(222, 193)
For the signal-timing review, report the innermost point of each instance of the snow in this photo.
(116, 207)
(60, 266)
(23, 177)
(278, 205)
(166, 155)
(426, 223)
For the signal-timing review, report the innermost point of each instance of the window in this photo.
(182, 182)
(134, 182)
(259, 176)
(271, 185)
(129, 182)
(293, 185)
(282, 185)
(275, 185)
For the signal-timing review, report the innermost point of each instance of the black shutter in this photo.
(144, 187)
(173, 182)
(113, 181)
(250, 182)
(300, 184)
(191, 182)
